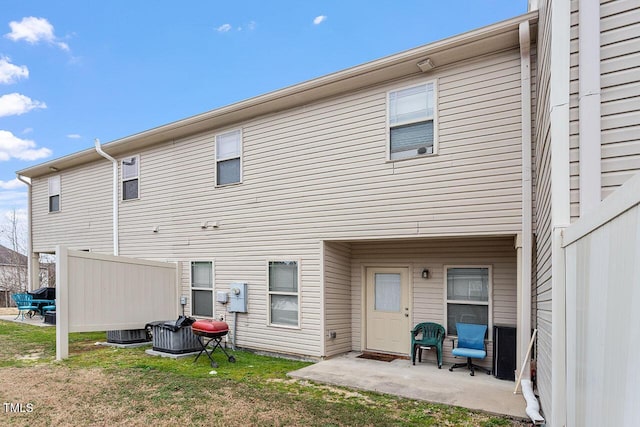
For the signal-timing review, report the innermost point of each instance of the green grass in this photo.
(151, 388)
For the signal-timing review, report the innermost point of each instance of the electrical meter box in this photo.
(238, 298)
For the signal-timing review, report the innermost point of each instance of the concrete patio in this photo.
(424, 381)
(35, 320)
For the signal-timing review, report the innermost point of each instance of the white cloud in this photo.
(34, 30)
(14, 104)
(223, 28)
(15, 183)
(74, 136)
(251, 25)
(27, 130)
(319, 19)
(17, 148)
(11, 73)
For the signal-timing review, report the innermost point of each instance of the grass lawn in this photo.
(107, 386)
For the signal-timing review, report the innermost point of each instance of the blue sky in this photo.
(75, 70)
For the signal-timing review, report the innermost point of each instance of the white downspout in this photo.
(525, 243)
(30, 271)
(116, 243)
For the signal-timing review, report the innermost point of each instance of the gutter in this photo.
(29, 234)
(116, 243)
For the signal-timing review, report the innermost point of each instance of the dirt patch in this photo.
(6, 311)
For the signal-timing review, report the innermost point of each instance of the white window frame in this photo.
(123, 180)
(297, 294)
(489, 303)
(50, 194)
(222, 159)
(433, 118)
(212, 288)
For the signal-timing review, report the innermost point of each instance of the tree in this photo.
(13, 262)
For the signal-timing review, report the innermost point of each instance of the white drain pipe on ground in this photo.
(533, 407)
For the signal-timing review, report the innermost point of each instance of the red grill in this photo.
(211, 331)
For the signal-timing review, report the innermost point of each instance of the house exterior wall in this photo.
(85, 217)
(337, 298)
(429, 295)
(313, 173)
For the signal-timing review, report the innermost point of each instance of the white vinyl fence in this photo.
(602, 253)
(104, 292)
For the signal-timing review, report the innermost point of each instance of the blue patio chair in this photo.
(470, 345)
(24, 304)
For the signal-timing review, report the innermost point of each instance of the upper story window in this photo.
(131, 178)
(228, 157)
(54, 193)
(412, 121)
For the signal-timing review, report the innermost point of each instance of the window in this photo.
(54, 193)
(283, 293)
(130, 178)
(202, 288)
(468, 296)
(228, 148)
(412, 121)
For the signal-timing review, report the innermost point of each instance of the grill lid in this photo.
(210, 326)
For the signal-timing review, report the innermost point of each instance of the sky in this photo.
(75, 70)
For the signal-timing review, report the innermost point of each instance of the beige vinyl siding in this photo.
(542, 291)
(620, 93)
(319, 172)
(85, 218)
(337, 297)
(429, 294)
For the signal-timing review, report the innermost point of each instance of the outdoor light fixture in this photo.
(425, 274)
(426, 65)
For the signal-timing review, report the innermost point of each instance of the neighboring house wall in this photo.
(620, 92)
(312, 173)
(542, 294)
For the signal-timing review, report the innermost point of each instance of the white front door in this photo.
(388, 315)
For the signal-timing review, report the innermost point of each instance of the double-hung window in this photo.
(228, 157)
(54, 193)
(283, 293)
(131, 178)
(412, 121)
(468, 296)
(202, 288)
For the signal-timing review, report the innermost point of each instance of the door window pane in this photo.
(387, 292)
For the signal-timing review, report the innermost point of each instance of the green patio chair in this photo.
(24, 304)
(427, 334)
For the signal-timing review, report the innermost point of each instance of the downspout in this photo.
(116, 244)
(525, 246)
(30, 270)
